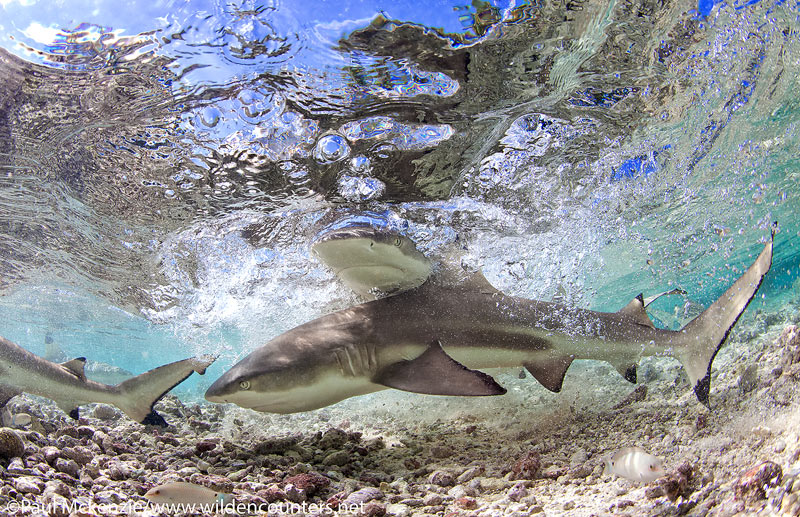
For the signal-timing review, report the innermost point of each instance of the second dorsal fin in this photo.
(635, 310)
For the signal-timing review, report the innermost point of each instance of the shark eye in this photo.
(245, 385)
(398, 241)
(652, 468)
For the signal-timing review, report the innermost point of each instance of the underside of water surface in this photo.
(166, 166)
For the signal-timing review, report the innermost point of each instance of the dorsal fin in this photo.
(453, 273)
(635, 310)
(561, 295)
(478, 282)
(75, 366)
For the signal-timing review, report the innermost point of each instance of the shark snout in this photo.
(220, 390)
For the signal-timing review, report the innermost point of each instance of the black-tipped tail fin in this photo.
(704, 335)
(138, 394)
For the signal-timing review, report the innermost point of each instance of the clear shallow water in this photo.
(164, 167)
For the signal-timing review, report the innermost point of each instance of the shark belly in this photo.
(491, 357)
(60, 387)
(329, 388)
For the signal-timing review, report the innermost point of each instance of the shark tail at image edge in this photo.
(703, 337)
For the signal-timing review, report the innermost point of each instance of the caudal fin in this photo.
(704, 335)
(139, 394)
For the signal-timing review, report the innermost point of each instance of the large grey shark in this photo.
(66, 383)
(432, 338)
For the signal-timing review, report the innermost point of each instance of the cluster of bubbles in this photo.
(399, 135)
(269, 121)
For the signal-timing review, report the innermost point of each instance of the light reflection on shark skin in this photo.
(430, 340)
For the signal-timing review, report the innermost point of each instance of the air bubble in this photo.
(210, 116)
(361, 189)
(247, 97)
(360, 164)
(331, 148)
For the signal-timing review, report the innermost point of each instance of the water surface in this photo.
(165, 166)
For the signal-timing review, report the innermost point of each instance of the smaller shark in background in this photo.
(67, 385)
(432, 337)
(95, 370)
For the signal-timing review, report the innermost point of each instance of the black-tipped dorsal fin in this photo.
(75, 367)
(436, 373)
(635, 310)
(550, 372)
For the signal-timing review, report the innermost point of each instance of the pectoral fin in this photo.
(550, 372)
(627, 369)
(69, 408)
(436, 373)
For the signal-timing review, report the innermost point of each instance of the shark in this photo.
(66, 383)
(436, 337)
(94, 370)
(371, 261)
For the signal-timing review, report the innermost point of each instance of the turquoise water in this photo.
(164, 167)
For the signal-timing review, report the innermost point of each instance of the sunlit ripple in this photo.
(401, 136)
(664, 135)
